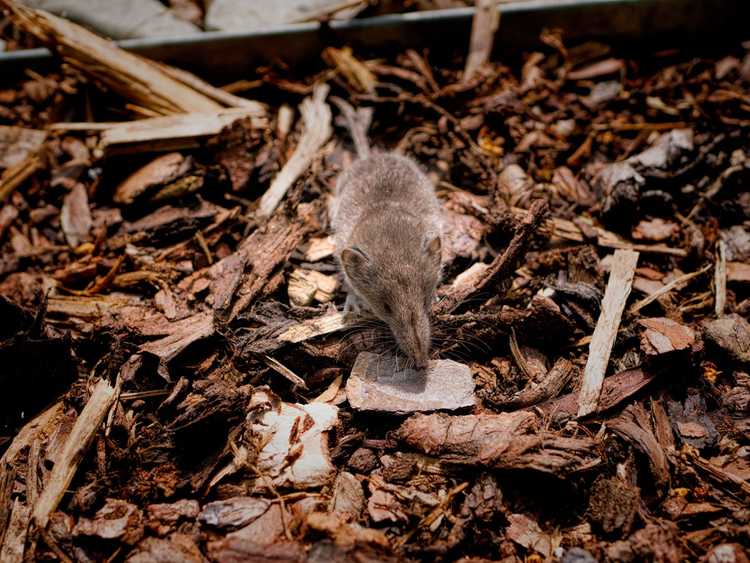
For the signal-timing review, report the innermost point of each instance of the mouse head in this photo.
(399, 290)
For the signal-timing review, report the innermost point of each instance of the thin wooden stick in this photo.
(666, 289)
(720, 279)
(613, 305)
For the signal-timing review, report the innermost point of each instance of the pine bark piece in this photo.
(132, 76)
(84, 430)
(500, 441)
(613, 305)
(635, 426)
(316, 115)
(183, 334)
(664, 335)
(377, 383)
(75, 216)
(18, 143)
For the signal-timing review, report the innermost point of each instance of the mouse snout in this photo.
(414, 340)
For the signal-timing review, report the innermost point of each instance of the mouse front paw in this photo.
(353, 305)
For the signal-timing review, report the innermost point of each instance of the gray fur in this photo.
(386, 222)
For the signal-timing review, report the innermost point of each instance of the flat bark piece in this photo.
(320, 248)
(234, 549)
(500, 441)
(664, 335)
(296, 443)
(266, 529)
(526, 532)
(732, 334)
(174, 511)
(348, 498)
(316, 115)
(75, 216)
(159, 171)
(177, 547)
(613, 304)
(304, 286)
(18, 143)
(378, 384)
(234, 512)
(738, 272)
(615, 390)
(267, 248)
(85, 428)
(117, 519)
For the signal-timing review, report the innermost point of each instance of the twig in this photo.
(16, 175)
(666, 289)
(613, 304)
(316, 115)
(720, 279)
(500, 266)
(284, 371)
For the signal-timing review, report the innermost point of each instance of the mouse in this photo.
(386, 222)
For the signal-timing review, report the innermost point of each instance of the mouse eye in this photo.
(387, 309)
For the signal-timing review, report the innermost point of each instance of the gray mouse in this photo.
(386, 221)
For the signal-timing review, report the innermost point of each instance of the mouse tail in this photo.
(358, 122)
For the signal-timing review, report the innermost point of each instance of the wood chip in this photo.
(86, 426)
(613, 304)
(132, 76)
(19, 143)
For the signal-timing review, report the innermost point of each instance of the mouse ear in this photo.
(433, 248)
(354, 261)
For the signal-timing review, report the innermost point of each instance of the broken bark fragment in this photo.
(664, 335)
(117, 519)
(75, 216)
(377, 383)
(635, 425)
